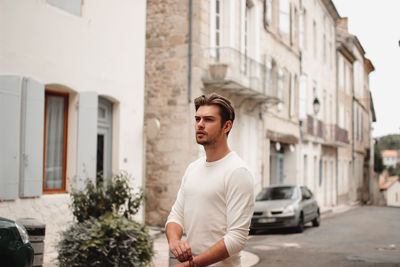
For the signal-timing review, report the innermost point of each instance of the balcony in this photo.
(326, 134)
(336, 136)
(314, 128)
(341, 135)
(230, 70)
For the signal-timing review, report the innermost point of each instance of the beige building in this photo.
(356, 114)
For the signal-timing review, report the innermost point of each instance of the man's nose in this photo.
(200, 123)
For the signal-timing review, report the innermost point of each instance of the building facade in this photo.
(71, 103)
(278, 62)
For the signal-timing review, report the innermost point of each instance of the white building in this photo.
(318, 98)
(390, 158)
(393, 194)
(71, 102)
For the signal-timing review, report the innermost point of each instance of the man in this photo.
(215, 202)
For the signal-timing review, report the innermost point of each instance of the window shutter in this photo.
(10, 91)
(32, 130)
(87, 138)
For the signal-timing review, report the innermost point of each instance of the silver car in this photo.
(284, 206)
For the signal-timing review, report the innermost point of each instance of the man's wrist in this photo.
(191, 263)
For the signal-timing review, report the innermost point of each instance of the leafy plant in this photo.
(110, 240)
(116, 196)
(105, 234)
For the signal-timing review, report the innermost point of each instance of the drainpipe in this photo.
(190, 52)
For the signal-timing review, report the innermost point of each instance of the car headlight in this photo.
(23, 233)
(289, 210)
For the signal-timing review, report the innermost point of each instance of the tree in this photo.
(378, 161)
(391, 141)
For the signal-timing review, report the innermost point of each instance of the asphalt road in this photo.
(363, 236)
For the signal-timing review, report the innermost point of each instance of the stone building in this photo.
(71, 102)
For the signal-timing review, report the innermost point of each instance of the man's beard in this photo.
(211, 141)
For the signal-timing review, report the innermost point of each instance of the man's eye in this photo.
(197, 119)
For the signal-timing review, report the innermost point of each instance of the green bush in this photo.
(116, 196)
(105, 234)
(110, 240)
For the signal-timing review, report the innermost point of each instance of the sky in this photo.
(376, 23)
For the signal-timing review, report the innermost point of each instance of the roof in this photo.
(389, 153)
(385, 183)
(331, 9)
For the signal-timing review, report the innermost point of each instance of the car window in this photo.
(277, 193)
(305, 193)
(309, 191)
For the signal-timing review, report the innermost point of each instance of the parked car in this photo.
(285, 206)
(15, 248)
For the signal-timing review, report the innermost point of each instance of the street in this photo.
(364, 236)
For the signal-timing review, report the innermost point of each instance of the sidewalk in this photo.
(248, 259)
(328, 211)
(162, 251)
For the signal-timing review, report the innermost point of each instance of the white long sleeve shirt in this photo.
(215, 200)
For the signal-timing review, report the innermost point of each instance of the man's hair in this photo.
(226, 110)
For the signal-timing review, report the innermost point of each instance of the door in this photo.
(104, 138)
(276, 168)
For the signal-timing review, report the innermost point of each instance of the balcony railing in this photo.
(341, 135)
(229, 65)
(329, 134)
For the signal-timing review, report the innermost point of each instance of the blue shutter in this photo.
(32, 127)
(10, 91)
(87, 138)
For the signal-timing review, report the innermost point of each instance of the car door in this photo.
(306, 200)
(314, 204)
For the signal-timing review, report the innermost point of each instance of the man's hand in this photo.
(181, 250)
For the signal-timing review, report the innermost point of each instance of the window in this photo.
(268, 12)
(72, 6)
(293, 24)
(315, 169)
(314, 39)
(284, 17)
(55, 141)
(104, 138)
(324, 48)
(217, 23)
(281, 83)
(341, 116)
(320, 171)
(305, 163)
(293, 86)
(340, 72)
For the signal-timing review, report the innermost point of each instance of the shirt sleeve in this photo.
(240, 208)
(177, 210)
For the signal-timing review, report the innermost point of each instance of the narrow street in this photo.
(364, 236)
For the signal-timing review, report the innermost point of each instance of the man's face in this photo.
(208, 125)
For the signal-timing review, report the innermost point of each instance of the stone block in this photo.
(176, 40)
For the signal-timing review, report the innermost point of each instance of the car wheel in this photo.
(317, 220)
(300, 224)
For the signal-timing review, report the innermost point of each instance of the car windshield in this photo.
(277, 193)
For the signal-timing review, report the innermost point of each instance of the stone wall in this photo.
(166, 99)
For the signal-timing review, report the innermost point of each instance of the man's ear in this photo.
(228, 126)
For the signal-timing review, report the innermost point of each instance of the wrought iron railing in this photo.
(226, 63)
